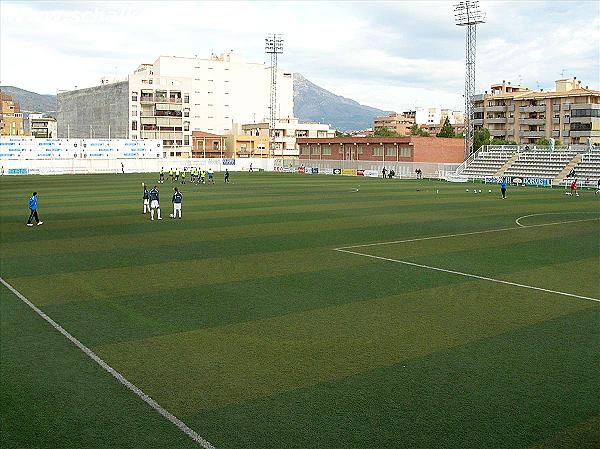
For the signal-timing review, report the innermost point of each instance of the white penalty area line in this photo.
(143, 396)
(435, 237)
(517, 221)
(460, 273)
(345, 249)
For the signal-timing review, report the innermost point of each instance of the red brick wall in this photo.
(438, 149)
(424, 149)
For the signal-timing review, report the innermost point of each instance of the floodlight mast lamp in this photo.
(468, 14)
(273, 47)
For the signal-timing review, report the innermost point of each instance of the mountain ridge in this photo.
(311, 103)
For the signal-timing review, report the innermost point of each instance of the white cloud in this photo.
(391, 55)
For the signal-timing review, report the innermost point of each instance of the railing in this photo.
(156, 99)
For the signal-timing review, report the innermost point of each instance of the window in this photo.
(404, 152)
(216, 145)
(134, 125)
(305, 151)
(378, 151)
(186, 126)
(315, 150)
(390, 151)
(186, 98)
(326, 150)
(134, 96)
(186, 140)
(186, 112)
(210, 92)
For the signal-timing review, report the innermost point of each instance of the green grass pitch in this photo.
(243, 320)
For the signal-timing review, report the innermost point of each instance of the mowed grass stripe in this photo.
(52, 395)
(167, 276)
(507, 391)
(245, 361)
(153, 313)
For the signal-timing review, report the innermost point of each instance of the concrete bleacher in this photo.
(540, 164)
(487, 163)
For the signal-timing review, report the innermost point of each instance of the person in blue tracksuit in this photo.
(503, 188)
(33, 205)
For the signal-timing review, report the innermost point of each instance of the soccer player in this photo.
(183, 176)
(33, 205)
(210, 176)
(161, 176)
(226, 176)
(171, 174)
(202, 176)
(383, 172)
(146, 198)
(598, 188)
(176, 174)
(154, 203)
(177, 197)
(503, 188)
(574, 188)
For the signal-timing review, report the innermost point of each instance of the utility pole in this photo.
(468, 14)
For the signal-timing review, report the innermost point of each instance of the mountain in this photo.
(313, 103)
(32, 102)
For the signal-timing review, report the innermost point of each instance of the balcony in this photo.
(532, 121)
(555, 133)
(475, 110)
(478, 97)
(556, 108)
(588, 133)
(585, 106)
(555, 121)
(532, 134)
(497, 132)
(532, 109)
(510, 120)
(158, 99)
(585, 120)
(477, 121)
(497, 120)
(496, 109)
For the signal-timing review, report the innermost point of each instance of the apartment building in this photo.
(569, 114)
(11, 117)
(41, 126)
(399, 123)
(174, 96)
(437, 116)
(286, 132)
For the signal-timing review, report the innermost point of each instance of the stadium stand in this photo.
(515, 161)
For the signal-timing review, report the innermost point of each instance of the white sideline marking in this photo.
(460, 273)
(548, 213)
(143, 396)
(462, 233)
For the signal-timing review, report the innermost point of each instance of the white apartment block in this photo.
(436, 116)
(174, 96)
(285, 133)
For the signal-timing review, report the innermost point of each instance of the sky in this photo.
(393, 55)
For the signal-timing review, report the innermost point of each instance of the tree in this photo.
(502, 142)
(480, 138)
(385, 132)
(447, 129)
(543, 141)
(416, 130)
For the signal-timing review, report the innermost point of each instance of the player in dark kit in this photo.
(226, 176)
(146, 198)
(154, 203)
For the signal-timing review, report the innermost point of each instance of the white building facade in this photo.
(177, 95)
(436, 116)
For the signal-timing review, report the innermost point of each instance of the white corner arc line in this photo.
(143, 396)
(517, 221)
(476, 276)
(434, 237)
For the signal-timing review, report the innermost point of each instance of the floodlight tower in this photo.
(468, 14)
(273, 47)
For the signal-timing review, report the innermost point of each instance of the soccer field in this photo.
(293, 311)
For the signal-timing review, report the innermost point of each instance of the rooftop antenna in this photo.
(273, 47)
(562, 73)
(468, 14)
